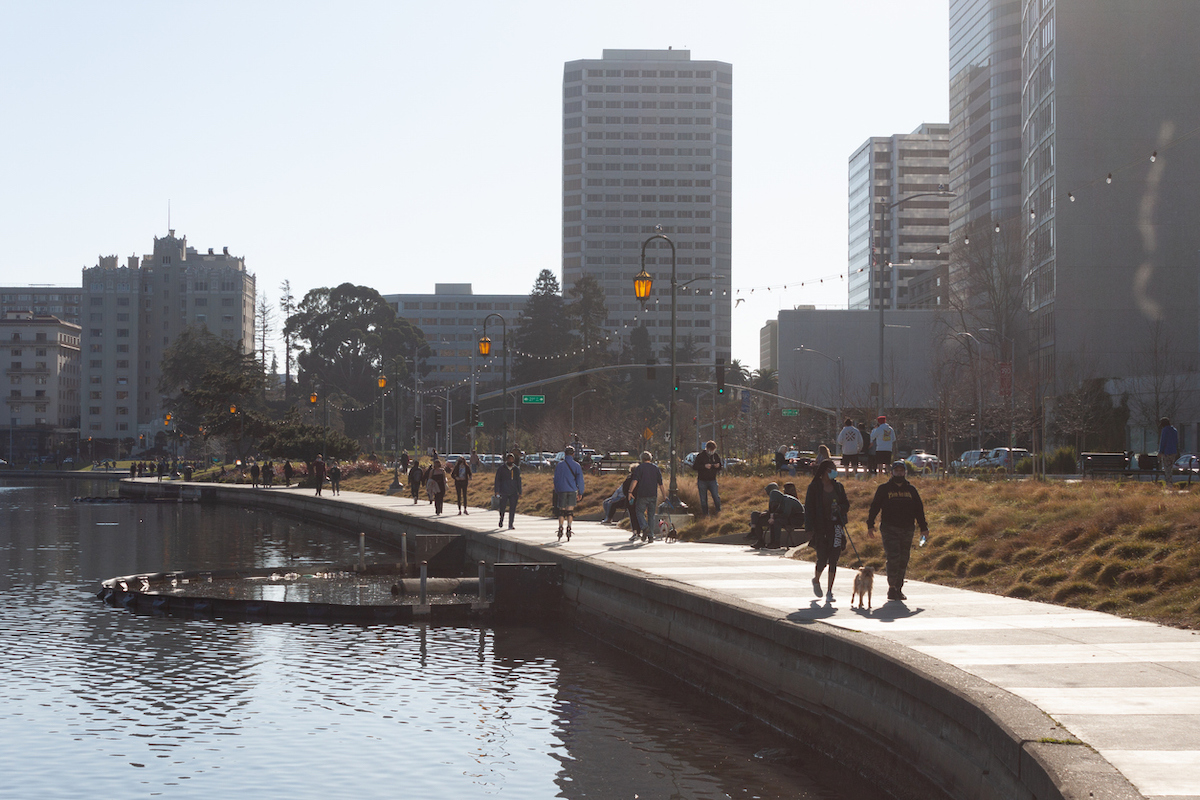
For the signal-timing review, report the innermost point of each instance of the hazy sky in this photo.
(400, 144)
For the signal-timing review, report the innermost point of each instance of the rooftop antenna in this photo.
(168, 214)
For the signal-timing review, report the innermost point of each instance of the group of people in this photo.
(824, 515)
(265, 475)
(435, 478)
(639, 495)
(870, 451)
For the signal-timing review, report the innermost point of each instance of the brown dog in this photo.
(864, 581)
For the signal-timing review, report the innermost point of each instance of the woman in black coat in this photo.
(825, 505)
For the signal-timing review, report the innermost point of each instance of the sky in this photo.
(399, 144)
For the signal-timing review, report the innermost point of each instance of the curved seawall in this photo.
(908, 722)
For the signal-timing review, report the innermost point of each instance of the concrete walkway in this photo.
(1129, 689)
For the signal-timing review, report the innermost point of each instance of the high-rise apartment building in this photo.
(647, 142)
(132, 313)
(1110, 110)
(61, 301)
(985, 111)
(897, 215)
(1100, 224)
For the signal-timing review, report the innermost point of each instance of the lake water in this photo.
(99, 701)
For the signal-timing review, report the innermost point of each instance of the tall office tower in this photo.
(1111, 163)
(897, 215)
(132, 313)
(985, 111)
(647, 140)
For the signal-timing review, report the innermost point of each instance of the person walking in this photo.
(1168, 447)
(902, 511)
(851, 443)
(404, 462)
(568, 489)
(254, 472)
(507, 487)
(288, 472)
(415, 478)
(884, 439)
(825, 507)
(645, 488)
(462, 477)
(318, 472)
(268, 474)
(435, 486)
(335, 477)
(707, 464)
(475, 462)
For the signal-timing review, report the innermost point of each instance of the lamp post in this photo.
(978, 389)
(941, 192)
(485, 349)
(381, 381)
(841, 378)
(643, 282)
(713, 394)
(573, 399)
(312, 400)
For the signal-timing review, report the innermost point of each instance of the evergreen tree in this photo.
(587, 312)
(543, 329)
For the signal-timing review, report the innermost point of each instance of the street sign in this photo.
(647, 434)
(728, 426)
(539, 399)
(791, 412)
(479, 424)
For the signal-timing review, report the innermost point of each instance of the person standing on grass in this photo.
(707, 464)
(645, 488)
(462, 477)
(902, 510)
(1168, 447)
(318, 472)
(884, 439)
(568, 489)
(507, 487)
(851, 443)
(825, 507)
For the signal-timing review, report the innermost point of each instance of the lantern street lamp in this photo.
(382, 383)
(312, 402)
(643, 282)
(485, 349)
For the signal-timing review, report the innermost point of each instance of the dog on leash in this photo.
(864, 581)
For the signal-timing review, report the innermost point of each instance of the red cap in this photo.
(881, 418)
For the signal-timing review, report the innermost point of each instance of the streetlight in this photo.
(573, 399)
(642, 284)
(978, 389)
(941, 192)
(841, 378)
(312, 401)
(485, 349)
(382, 383)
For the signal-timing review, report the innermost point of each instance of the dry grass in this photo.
(1123, 548)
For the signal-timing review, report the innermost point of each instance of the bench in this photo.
(1106, 464)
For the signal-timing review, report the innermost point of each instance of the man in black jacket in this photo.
(707, 464)
(508, 488)
(784, 512)
(902, 510)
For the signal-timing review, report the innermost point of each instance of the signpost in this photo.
(537, 399)
(791, 412)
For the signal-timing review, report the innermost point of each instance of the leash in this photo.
(855, 548)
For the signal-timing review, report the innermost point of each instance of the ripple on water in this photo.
(100, 701)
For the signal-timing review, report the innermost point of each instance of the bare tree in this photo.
(988, 281)
(287, 307)
(1159, 391)
(264, 321)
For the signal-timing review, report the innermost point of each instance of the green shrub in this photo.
(1063, 461)
(1025, 466)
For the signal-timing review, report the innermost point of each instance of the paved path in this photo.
(1129, 689)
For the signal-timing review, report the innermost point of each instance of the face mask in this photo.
(833, 474)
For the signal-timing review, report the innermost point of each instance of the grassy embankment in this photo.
(1131, 549)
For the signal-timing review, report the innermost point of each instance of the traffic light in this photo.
(473, 415)
(416, 423)
(650, 369)
(721, 375)
(677, 383)
(437, 418)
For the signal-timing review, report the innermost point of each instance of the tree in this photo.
(737, 373)
(586, 314)
(264, 322)
(989, 279)
(765, 380)
(346, 336)
(203, 377)
(287, 307)
(293, 438)
(543, 329)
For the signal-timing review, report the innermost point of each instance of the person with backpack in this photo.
(568, 489)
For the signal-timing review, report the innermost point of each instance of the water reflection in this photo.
(99, 700)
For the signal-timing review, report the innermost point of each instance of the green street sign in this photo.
(479, 424)
(727, 426)
(538, 399)
(791, 412)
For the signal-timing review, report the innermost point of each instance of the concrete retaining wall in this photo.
(908, 723)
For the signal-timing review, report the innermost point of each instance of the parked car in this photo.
(1001, 457)
(970, 459)
(535, 461)
(802, 460)
(921, 462)
(1188, 462)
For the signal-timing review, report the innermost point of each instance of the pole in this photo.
(474, 379)
(673, 495)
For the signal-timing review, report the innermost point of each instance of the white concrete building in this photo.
(42, 384)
